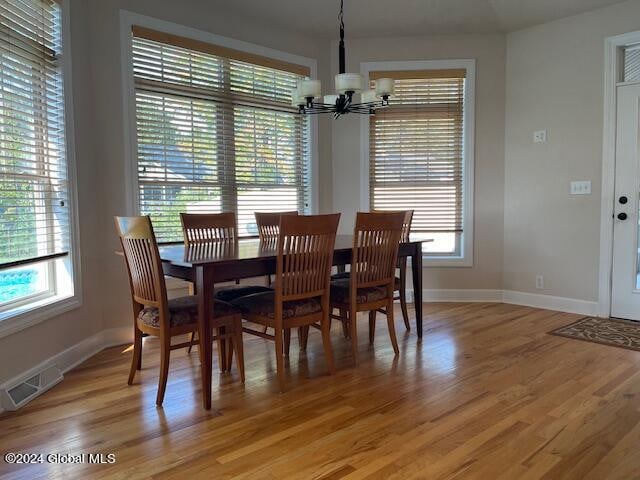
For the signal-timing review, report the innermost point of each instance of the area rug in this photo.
(607, 331)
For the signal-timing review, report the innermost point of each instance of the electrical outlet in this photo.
(539, 282)
(540, 136)
(581, 187)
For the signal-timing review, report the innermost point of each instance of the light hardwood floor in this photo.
(487, 394)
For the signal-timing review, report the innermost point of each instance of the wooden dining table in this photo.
(221, 261)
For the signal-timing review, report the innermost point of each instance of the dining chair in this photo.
(154, 314)
(301, 294)
(371, 281)
(400, 282)
(201, 229)
(268, 230)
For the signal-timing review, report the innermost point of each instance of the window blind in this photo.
(416, 149)
(34, 214)
(215, 133)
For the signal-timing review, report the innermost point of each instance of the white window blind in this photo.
(416, 150)
(215, 132)
(34, 210)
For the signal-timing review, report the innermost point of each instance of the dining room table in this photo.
(208, 264)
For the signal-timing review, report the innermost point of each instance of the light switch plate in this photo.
(540, 136)
(582, 187)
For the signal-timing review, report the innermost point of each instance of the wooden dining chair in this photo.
(154, 314)
(269, 224)
(201, 229)
(371, 282)
(301, 294)
(268, 230)
(400, 283)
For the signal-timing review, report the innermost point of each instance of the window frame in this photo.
(127, 21)
(465, 258)
(66, 295)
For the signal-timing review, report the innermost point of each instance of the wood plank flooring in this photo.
(487, 394)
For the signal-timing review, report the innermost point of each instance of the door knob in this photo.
(622, 216)
(623, 200)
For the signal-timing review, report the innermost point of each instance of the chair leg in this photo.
(238, 346)
(229, 346)
(392, 327)
(165, 351)
(345, 323)
(372, 326)
(354, 333)
(287, 341)
(193, 337)
(403, 298)
(280, 358)
(303, 336)
(222, 357)
(136, 360)
(325, 326)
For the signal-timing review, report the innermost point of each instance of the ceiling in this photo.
(368, 18)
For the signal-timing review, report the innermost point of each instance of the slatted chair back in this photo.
(144, 266)
(375, 248)
(406, 224)
(207, 227)
(269, 224)
(305, 254)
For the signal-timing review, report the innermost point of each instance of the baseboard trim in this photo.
(461, 295)
(535, 300)
(549, 302)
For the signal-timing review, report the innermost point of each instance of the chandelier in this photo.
(306, 95)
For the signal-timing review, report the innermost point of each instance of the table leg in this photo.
(416, 270)
(204, 287)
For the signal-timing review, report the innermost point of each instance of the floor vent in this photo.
(12, 398)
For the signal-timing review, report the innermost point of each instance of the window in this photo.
(215, 132)
(417, 156)
(34, 190)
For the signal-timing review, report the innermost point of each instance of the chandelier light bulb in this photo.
(385, 87)
(310, 88)
(348, 82)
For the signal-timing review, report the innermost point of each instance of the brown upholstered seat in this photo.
(340, 292)
(183, 311)
(230, 293)
(263, 304)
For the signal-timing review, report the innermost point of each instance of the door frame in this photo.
(612, 71)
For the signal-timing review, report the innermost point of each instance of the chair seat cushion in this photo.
(338, 276)
(262, 304)
(183, 311)
(340, 292)
(230, 293)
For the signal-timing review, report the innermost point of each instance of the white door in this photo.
(625, 295)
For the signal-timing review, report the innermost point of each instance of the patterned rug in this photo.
(607, 331)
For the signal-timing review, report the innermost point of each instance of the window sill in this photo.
(25, 316)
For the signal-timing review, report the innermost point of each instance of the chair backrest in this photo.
(141, 254)
(269, 224)
(376, 240)
(406, 224)
(305, 256)
(208, 227)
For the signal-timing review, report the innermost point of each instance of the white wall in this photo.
(555, 81)
(489, 50)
